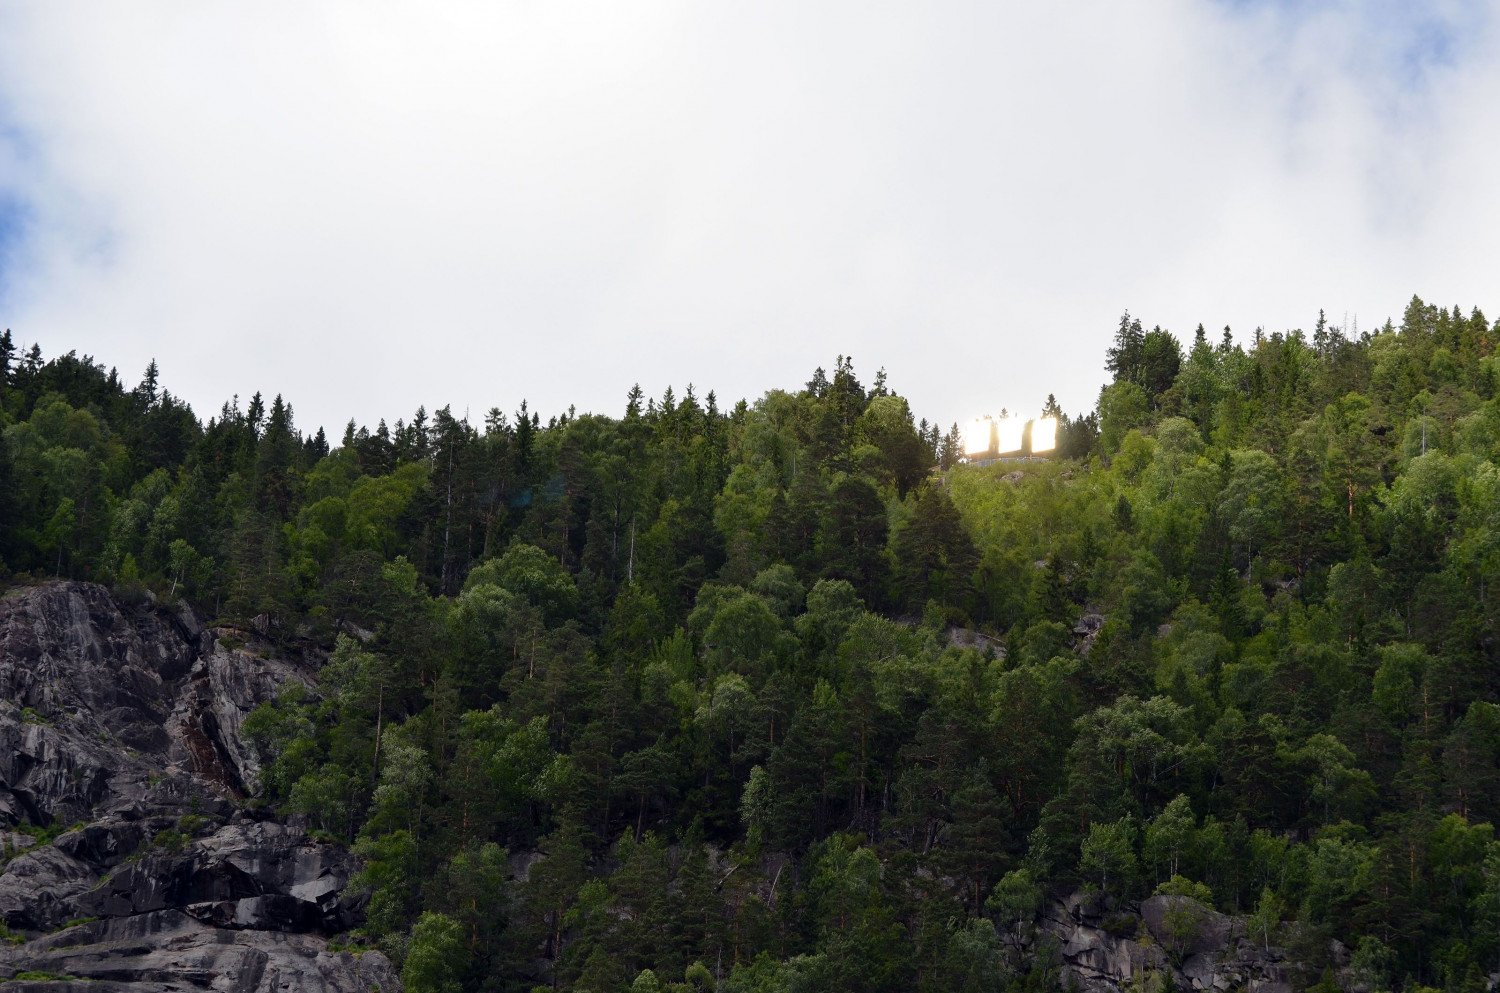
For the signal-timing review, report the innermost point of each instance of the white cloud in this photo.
(367, 206)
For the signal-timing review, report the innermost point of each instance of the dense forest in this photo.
(787, 697)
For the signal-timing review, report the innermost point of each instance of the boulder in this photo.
(1086, 632)
(1185, 926)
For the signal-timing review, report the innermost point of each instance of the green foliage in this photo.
(46, 834)
(1186, 913)
(934, 557)
(390, 877)
(436, 957)
(1178, 886)
(170, 840)
(783, 696)
(1108, 855)
(1016, 897)
(532, 574)
(1168, 836)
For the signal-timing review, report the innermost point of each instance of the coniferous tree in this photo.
(7, 357)
(933, 555)
(9, 510)
(1126, 355)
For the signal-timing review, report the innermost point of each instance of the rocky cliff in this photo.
(127, 858)
(1163, 943)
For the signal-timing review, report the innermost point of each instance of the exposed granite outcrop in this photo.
(1174, 940)
(168, 950)
(125, 721)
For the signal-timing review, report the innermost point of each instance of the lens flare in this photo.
(1043, 434)
(977, 437)
(1012, 430)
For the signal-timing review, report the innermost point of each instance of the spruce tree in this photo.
(7, 355)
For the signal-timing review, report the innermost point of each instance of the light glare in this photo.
(1043, 434)
(977, 437)
(1012, 432)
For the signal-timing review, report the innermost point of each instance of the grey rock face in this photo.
(1086, 632)
(1098, 959)
(168, 950)
(1175, 939)
(38, 889)
(121, 721)
(263, 876)
(1185, 925)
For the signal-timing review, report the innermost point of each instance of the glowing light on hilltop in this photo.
(1043, 434)
(976, 437)
(1012, 430)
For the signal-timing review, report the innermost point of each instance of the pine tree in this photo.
(525, 435)
(317, 447)
(974, 849)
(852, 535)
(1125, 357)
(10, 518)
(934, 556)
(951, 449)
(275, 462)
(147, 391)
(7, 355)
(255, 413)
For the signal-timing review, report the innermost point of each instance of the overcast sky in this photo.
(371, 205)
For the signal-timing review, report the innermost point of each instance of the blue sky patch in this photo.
(1399, 39)
(15, 217)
